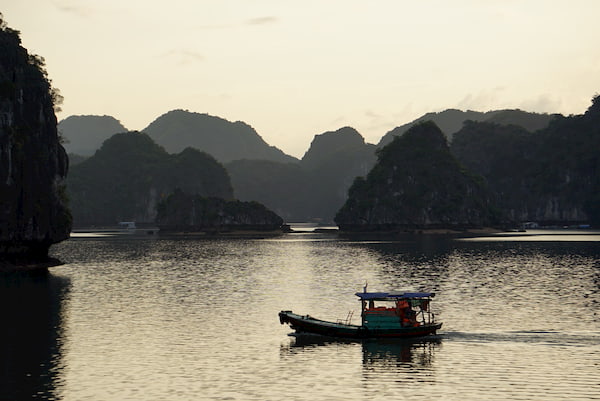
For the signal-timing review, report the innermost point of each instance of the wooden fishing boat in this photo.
(383, 315)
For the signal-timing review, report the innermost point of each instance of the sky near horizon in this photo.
(293, 70)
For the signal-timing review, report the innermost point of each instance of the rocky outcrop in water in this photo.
(33, 164)
(416, 184)
(184, 212)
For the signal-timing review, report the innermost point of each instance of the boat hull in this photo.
(308, 324)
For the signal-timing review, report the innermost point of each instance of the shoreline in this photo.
(221, 234)
(28, 266)
(427, 231)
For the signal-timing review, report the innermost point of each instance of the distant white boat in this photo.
(127, 225)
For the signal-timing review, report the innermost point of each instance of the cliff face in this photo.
(416, 183)
(332, 162)
(33, 164)
(550, 176)
(343, 141)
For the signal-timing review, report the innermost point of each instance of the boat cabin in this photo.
(389, 310)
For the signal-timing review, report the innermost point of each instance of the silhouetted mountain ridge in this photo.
(85, 134)
(313, 189)
(323, 146)
(224, 140)
(451, 121)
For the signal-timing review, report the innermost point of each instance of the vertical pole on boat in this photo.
(363, 305)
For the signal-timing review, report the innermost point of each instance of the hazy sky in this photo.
(293, 69)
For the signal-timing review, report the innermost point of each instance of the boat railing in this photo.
(425, 316)
(348, 319)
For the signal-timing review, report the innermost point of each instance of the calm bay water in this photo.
(151, 318)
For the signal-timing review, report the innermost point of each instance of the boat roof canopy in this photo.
(391, 296)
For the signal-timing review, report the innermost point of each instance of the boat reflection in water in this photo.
(403, 363)
(398, 360)
(383, 354)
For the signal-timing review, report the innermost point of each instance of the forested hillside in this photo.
(417, 183)
(130, 174)
(551, 176)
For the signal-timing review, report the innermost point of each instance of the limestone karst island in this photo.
(33, 164)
